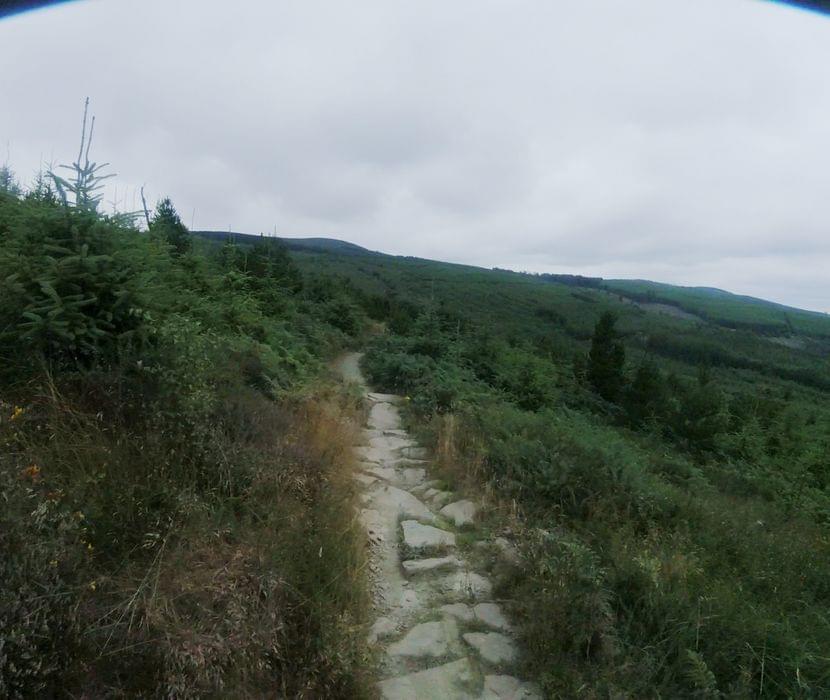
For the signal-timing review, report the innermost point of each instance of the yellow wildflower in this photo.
(18, 411)
(92, 585)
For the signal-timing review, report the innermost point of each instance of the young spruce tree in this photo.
(167, 224)
(606, 359)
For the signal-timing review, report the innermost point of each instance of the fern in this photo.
(701, 676)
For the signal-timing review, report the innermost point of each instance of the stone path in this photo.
(438, 630)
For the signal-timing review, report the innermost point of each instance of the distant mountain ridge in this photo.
(736, 311)
(708, 291)
(709, 304)
(314, 243)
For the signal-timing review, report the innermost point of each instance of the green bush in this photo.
(161, 440)
(70, 295)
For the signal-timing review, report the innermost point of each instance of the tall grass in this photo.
(635, 586)
(642, 576)
(144, 564)
(176, 507)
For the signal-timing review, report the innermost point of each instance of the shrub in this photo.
(68, 293)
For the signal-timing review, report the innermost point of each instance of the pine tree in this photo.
(8, 182)
(606, 359)
(167, 224)
(270, 261)
(645, 397)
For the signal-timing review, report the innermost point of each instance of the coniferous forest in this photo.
(175, 518)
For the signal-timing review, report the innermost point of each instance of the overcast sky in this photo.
(685, 141)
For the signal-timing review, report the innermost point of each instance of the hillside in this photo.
(176, 499)
(726, 309)
(328, 245)
(561, 314)
(663, 474)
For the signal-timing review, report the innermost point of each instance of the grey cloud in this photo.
(681, 140)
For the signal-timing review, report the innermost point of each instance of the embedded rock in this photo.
(491, 615)
(429, 639)
(466, 584)
(460, 611)
(493, 647)
(418, 566)
(445, 682)
(418, 536)
(462, 513)
(384, 416)
(403, 502)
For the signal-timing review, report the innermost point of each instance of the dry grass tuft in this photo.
(242, 577)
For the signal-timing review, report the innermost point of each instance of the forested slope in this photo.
(667, 478)
(176, 513)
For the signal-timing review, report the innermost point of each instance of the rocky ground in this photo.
(439, 632)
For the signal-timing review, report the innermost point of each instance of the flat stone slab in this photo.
(491, 615)
(493, 647)
(429, 639)
(508, 688)
(419, 566)
(418, 536)
(462, 513)
(404, 503)
(445, 682)
(467, 584)
(460, 611)
(384, 416)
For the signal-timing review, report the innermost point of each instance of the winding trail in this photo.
(438, 631)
